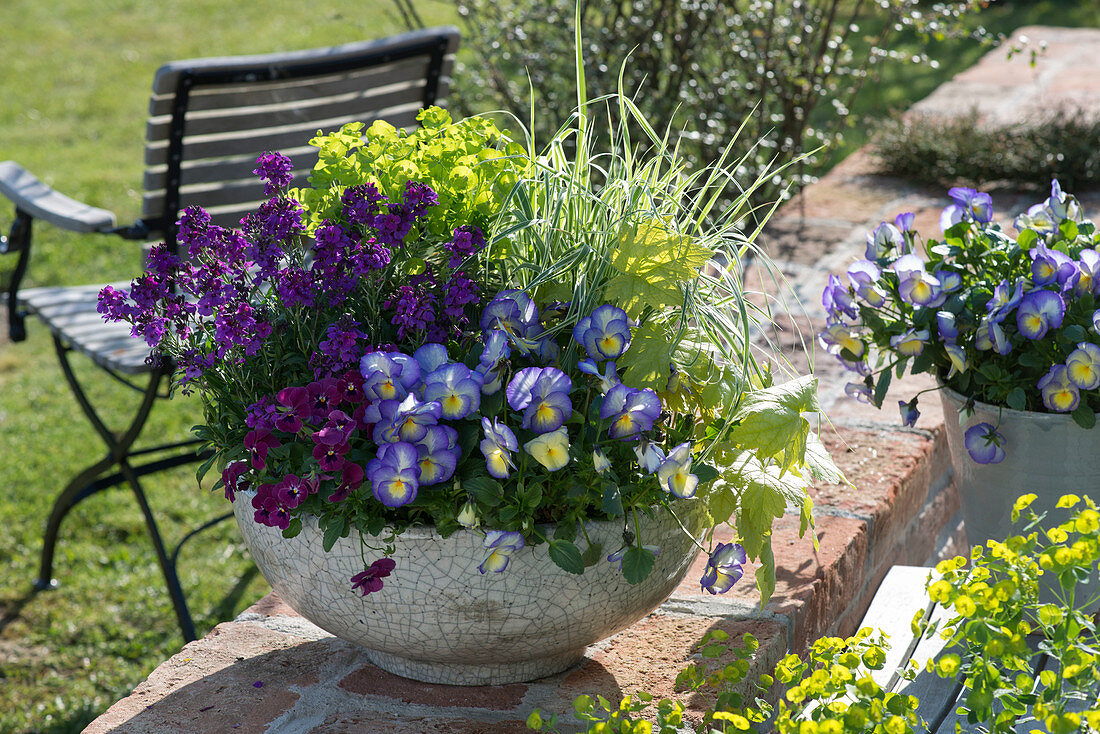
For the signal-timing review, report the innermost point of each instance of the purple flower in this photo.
(1088, 273)
(860, 392)
(502, 544)
(675, 475)
(1005, 298)
(456, 388)
(351, 478)
(723, 568)
(864, 276)
(884, 239)
(231, 478)
(497, 446)
(276, 169)
(1083, 366)
(911, 343)
(990, 335)
(838, 338)
(650, 456)
(904, 222)
(945, 326)
(389, 375)
(295, 407)
(431, 357)
(631, 411)
(1059, 393)
(984, 444)
(513, 312)
(370, 581)
(360, 203)
(969, 206)
(1039, 312)
(257, 443)
(491, 362)
(957, 355)
(909, 412)
(950, 281)
(605, 334)
(459, 293)
(407, 420)
(393, 474)
(292, 491)
(543, 394)
(1049, 266)
(915, 286)
(414, 307)
(438, 455)
(465, 241)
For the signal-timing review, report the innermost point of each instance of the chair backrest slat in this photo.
(211, 118)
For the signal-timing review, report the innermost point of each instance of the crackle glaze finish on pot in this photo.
(1045, 454)
(438, 619)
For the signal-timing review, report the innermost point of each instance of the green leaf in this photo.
(485, 490)
(1074, 332)
(1084, 416)
(567, 556)
(566, 530)
(770, 420)
(646, 363)
(652, 262)
(722, 503)
(637, 563)
(1026, 239)
(336, 529)
(1016, 399)
(205, 467)
(293, 528)
(819, 463)
(763, 495)
(765, 573)
(881, 388)
(592, 554)
(706, 473)
(612, 501)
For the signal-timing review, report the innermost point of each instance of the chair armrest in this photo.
(42, 202)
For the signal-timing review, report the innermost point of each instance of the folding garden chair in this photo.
(209, 120)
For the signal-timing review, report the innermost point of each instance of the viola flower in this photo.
(1083, 366)
(351, 479)
(724, 568)
(950, 281)
(1049, 266)
(617, 556)
(969, 206)
(503, 543)
(915, 286)
(324, 396)
(600, 462)
(543, 394)
(389, 375)
(413, 418)
(838, 338)
(990, 335)
(609, 378)
(1059, 393)
(257, 443)
(605, 334)
(329, 456)
(984, 444)
(370, 581)
(437, 455)
(393, 474)
(550, 449)
(957, 355)
(904, 222)
(946, 327)
(911, 343)
(456, 388)
(860, 392)
(497, 446)
(882, 240)
(467, 516)
(1005, 298)
(864, 275)
(631, 411)
(838, 302)
(297, 407)
(231, 478)
(513, 312)
(650, 455)
(1088, 274)
(1040, 311)
(909, 412)
(675, 475)
(292, 491)
(492, 361)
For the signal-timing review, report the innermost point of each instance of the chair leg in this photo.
(91, 480)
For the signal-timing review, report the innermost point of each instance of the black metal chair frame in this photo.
(35, 200)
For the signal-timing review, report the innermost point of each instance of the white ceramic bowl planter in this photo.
(438, 619)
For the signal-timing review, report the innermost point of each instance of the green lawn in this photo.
(75, 88)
